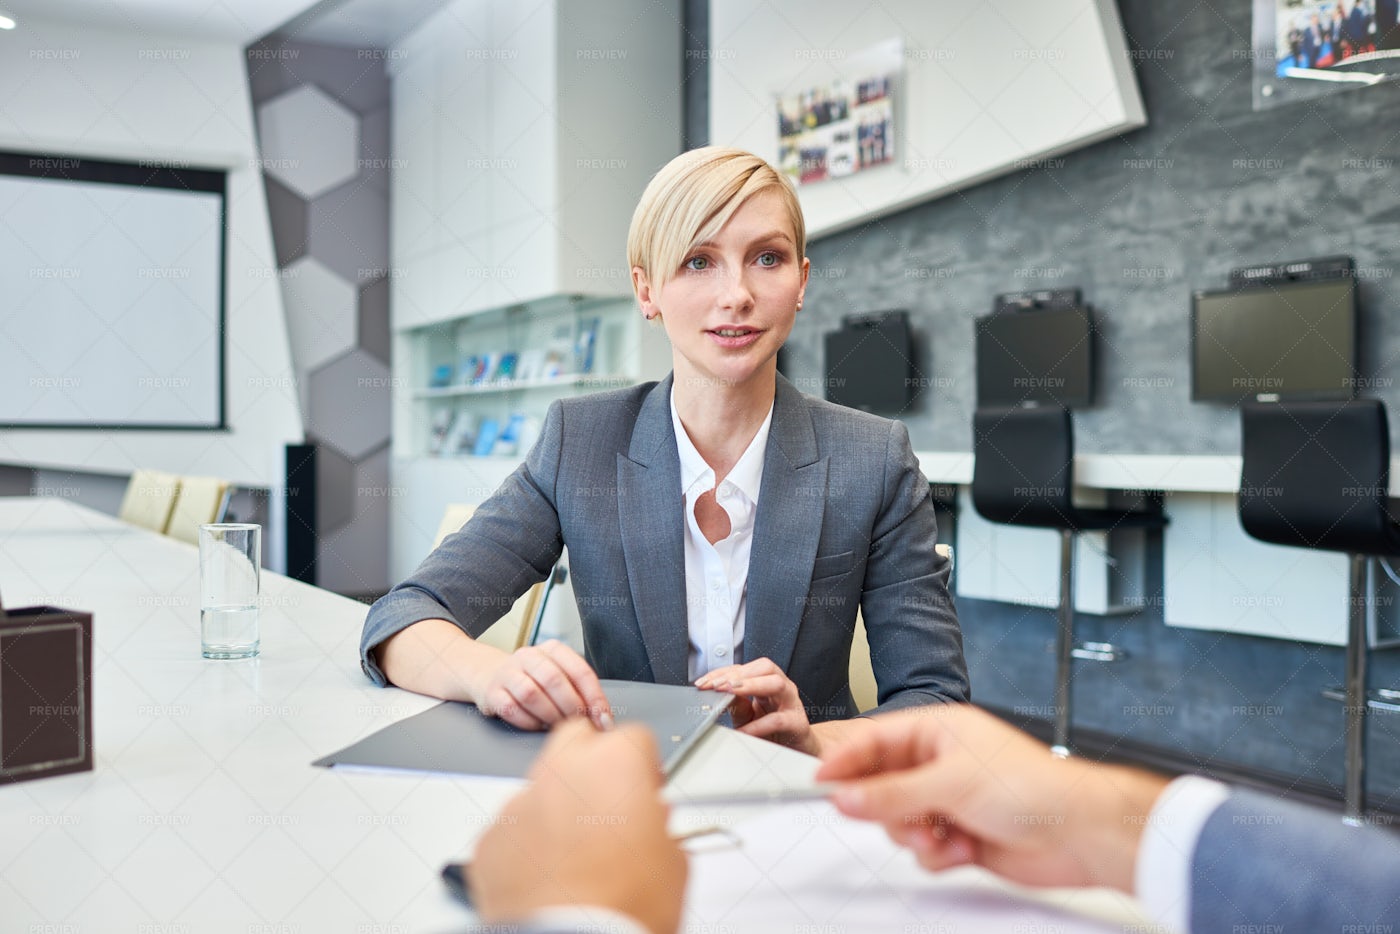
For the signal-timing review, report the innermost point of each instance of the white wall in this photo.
(988, 87)
(104, 93)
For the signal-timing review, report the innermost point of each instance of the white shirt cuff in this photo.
(580, 919)
(1162, 879)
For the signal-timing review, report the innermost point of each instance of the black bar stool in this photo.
(1023, 474)
(1317, 475)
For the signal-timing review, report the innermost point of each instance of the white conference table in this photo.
(204, 813)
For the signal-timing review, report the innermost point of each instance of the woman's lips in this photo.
(734, 338)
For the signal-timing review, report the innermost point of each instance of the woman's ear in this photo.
(642, 286)
(806, 272)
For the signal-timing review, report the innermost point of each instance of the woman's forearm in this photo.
(436, 658)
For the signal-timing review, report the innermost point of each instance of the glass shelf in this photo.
(515, 385)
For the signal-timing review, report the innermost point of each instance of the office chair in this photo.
(1317, 475)
(201, 500)
(1023, 474)
(521, 623)
(149, 499)
(862, 669)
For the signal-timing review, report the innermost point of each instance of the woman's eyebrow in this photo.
(775, 234)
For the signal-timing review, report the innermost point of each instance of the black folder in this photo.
(455, 737)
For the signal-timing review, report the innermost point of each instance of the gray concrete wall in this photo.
(1138, 223)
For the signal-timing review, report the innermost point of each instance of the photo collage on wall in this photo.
(1306, 48)
(838, 128)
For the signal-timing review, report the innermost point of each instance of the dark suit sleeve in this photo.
(915, 642)
(1262, 864)
(476, 575)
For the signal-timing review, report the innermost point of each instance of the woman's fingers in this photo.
(583, 680)
(540, 685)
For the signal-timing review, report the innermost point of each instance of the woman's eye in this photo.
(768, 259)
(697, 263)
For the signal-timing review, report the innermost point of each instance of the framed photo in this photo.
(844, 126)
(1303, 49)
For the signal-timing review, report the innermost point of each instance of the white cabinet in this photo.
(523, 137)
(471, 393)
(465, 382)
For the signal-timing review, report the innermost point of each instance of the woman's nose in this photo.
(736, 293)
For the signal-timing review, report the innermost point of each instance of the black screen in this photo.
(1039, 355)
(869, 363)
(1292, 340)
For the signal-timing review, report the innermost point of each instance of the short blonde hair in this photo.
(691, 198)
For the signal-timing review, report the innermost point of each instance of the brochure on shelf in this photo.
(486, 437)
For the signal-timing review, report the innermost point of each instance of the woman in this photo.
(722, 528)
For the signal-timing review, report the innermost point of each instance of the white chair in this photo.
(201, 500)
(862, 674)
(512, 630)
(149, 499)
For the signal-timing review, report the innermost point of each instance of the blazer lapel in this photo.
(787, 528)
(651, 511)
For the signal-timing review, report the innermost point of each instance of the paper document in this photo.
(806, 867)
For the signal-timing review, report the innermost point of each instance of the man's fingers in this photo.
(564, 737)
(896, 796)
(937, 852)
(635, 740)
(893, 744)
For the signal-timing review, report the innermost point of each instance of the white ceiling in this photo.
(355, 23)
(359, 24)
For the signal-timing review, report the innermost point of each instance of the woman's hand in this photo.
(766, 703)
(539, 685)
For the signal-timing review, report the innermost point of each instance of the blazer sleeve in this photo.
(1261, 861)
(474, 577)
(915, 641)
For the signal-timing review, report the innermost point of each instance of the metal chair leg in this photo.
(556, 576)
(1064, 644)
(1356, 700)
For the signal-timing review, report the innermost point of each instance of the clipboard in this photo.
(456, 738)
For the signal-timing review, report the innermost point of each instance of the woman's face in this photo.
(732, 303)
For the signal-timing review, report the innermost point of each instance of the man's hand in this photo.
(590, 830)
(956, 785)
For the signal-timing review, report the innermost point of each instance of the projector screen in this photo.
(111, 294)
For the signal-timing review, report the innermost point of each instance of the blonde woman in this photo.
(723, 528)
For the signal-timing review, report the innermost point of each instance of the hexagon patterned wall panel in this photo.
(309, 142)
(349, 404)
(347, 231)
(354, 557)
(335, 488)
(374, 319)
(288, 214)
(321, 313)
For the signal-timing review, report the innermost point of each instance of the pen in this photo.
(815, 792)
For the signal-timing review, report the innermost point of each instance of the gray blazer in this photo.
(844, 521)
(1262, 864)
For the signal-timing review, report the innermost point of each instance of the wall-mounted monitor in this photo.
(1039, 355)
(870, 363)
(1286, 340)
